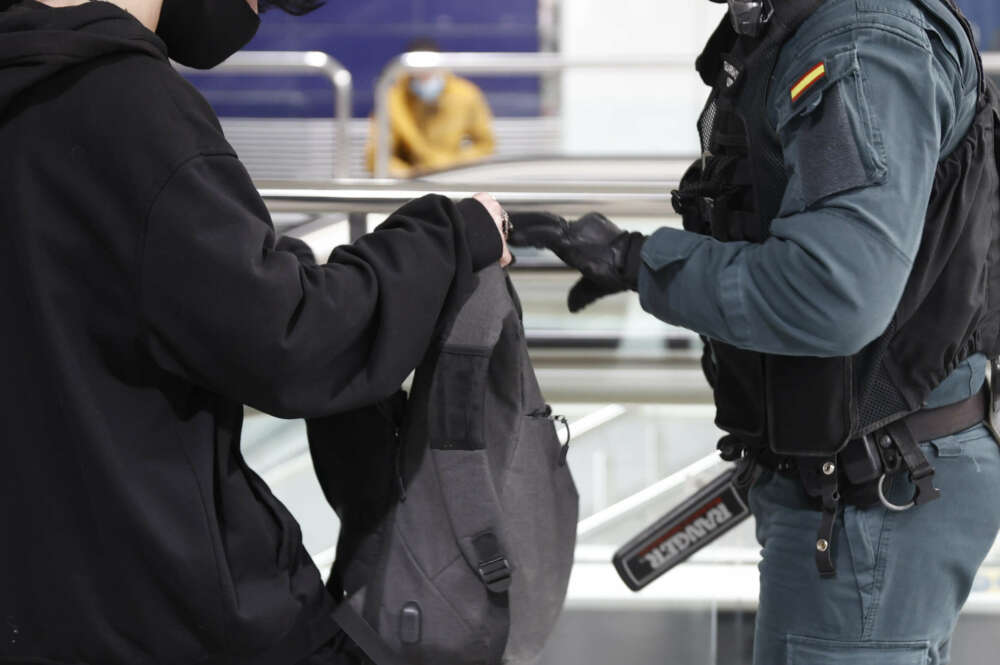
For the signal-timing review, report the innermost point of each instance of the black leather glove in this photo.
(607, 256)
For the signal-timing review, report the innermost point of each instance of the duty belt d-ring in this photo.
(921, 472)
(889, 504)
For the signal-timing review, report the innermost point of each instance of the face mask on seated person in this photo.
(428, 90)
(203, 33)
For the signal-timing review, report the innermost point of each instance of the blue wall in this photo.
(985, 15)
(364, 36)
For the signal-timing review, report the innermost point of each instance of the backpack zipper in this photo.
(547, 414)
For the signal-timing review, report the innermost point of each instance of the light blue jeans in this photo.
(902, 578)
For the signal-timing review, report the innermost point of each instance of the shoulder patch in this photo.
(814, 75)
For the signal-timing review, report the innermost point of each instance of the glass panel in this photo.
(637, 637)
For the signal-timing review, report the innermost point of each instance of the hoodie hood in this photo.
(38, 42)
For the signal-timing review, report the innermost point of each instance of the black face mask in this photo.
(203, 33)
(750, 16)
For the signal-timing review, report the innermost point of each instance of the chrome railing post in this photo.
(490, 64)
(302, 62)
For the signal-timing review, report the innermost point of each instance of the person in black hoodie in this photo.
(146, 302)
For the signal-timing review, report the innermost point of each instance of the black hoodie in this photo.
(145, 303)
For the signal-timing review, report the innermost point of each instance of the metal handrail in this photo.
(301, 62)
(644, 497)
(385, 196)
(505, 64)
(491, 64)
(991, 62)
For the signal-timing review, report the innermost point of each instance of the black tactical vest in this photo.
(950, 309)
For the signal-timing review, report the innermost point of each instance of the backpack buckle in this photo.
(496, 574)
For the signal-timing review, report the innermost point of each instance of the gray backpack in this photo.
(458, 510)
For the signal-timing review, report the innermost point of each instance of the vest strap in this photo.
(821, 479)
(824, 537)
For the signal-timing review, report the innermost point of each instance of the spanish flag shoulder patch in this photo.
(814, 75)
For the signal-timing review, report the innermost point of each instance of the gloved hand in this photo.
(607, 256)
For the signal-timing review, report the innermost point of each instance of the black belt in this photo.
(857, 475)
(947, 420)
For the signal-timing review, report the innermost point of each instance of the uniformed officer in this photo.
(841, 256)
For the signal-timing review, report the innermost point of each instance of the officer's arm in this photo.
(226, 310)
(829, 280)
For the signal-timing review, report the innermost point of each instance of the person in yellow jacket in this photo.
(437, 120)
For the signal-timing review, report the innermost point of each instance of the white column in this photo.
(642, 112)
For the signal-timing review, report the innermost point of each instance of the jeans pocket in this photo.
(815, 651)
(966, 443)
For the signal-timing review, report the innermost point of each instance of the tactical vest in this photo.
(810, 406)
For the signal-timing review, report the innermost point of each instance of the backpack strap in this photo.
(458, 428)
(458, 435)
(475, 514)
(365, 636)
(476, 519)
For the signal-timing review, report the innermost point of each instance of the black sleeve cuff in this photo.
(633, 259)
(481, 234)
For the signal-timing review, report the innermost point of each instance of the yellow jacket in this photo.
(458, 128)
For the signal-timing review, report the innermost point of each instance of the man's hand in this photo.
(607, 256)
(499, 218)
